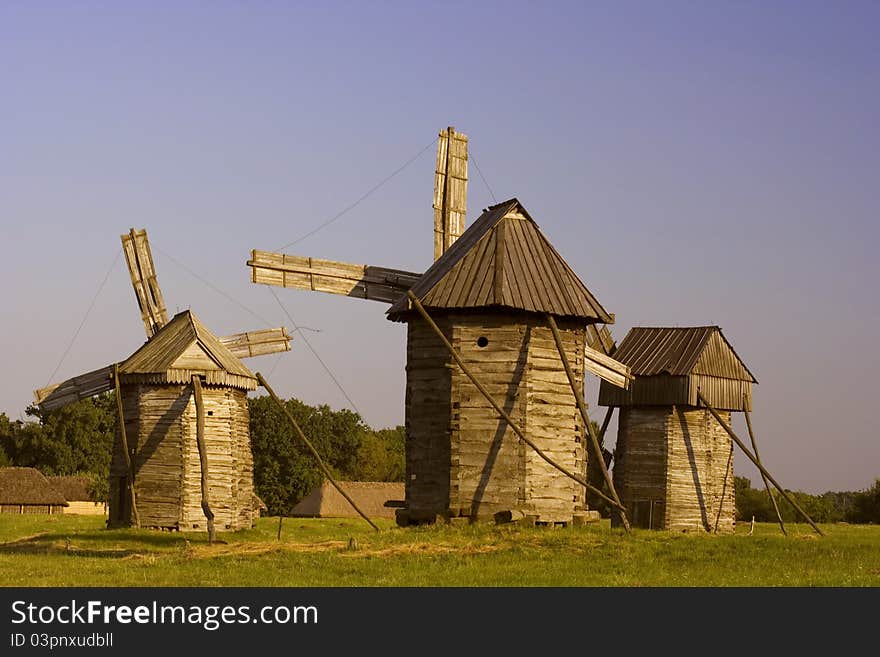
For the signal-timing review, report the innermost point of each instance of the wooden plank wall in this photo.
(554, 422)
(120, 504)
(161, 425)
(158, 462)
(488, 461)
(699, 472)
(640, 459)
(230, 462)
(723, 394)
(429, 414)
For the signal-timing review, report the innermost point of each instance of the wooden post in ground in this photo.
(605, 422)
(311, 448)
(203, 454)
(758, 458)
(582, 407)
(479, 386)
(757, 463)
(126, 455)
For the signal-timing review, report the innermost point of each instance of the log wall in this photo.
(673, 469)
(462, 458)
(161, 430)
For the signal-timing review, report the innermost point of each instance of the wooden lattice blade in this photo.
(257, 343)
(74, 389)
(360, 281)
(450, 189)
(143, 278)
(599, 338)
(605, 367)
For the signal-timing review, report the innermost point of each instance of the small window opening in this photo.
(482, 341)
(210, 412)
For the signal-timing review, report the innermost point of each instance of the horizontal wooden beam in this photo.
(74, 389)
(257, 343)
(606, 368)
(303, 273)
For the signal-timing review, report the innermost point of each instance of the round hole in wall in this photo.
(482, 341)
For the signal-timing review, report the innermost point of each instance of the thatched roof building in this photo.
(673, 465)
(377, 499)
(77, 491)
(26, 490)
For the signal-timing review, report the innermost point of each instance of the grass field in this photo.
(78, 551)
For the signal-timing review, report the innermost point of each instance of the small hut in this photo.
(673, 463)
(489, 293)
(161, 422)
(26, 490)
(75, 489)
(377, 499)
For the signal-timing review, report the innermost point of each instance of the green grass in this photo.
(78, 551)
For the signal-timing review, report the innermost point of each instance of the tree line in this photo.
(78, 439)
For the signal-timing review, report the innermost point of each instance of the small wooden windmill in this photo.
(488, 306)
(182, 453)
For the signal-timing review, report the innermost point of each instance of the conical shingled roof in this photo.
(503, 260)
(182, 348)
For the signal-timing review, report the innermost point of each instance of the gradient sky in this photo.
(695, 163)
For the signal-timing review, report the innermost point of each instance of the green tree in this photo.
(76, 438)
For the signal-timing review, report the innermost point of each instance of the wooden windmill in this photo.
(182, 456)
(497, 348)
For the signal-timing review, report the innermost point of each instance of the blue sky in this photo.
(695, 163)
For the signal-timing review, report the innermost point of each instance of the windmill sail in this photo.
(257, 343)
(143, 279)
(450, 189)
(360, 281)
(74, 389)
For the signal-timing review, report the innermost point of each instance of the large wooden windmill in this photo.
(182, 456)
(498, 341)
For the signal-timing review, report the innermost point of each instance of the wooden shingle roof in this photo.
(503, 260)
(28, 486)
(181, 348)
(681, 351)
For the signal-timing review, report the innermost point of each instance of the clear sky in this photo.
(695, 163)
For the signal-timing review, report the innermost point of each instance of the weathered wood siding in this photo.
(462, 459)
(161, 429)
(428, 419)
(159, 454)
(673, 469)
(488, 464)
(230, 462)
(699, 472)
(554, 422)
(640, 463)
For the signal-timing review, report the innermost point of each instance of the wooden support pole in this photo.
(758, 458)
(604, 427)
(203, 455)
(308, 444)
(578, 393)
(129, 467)
(519, 432)
(757, 463)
